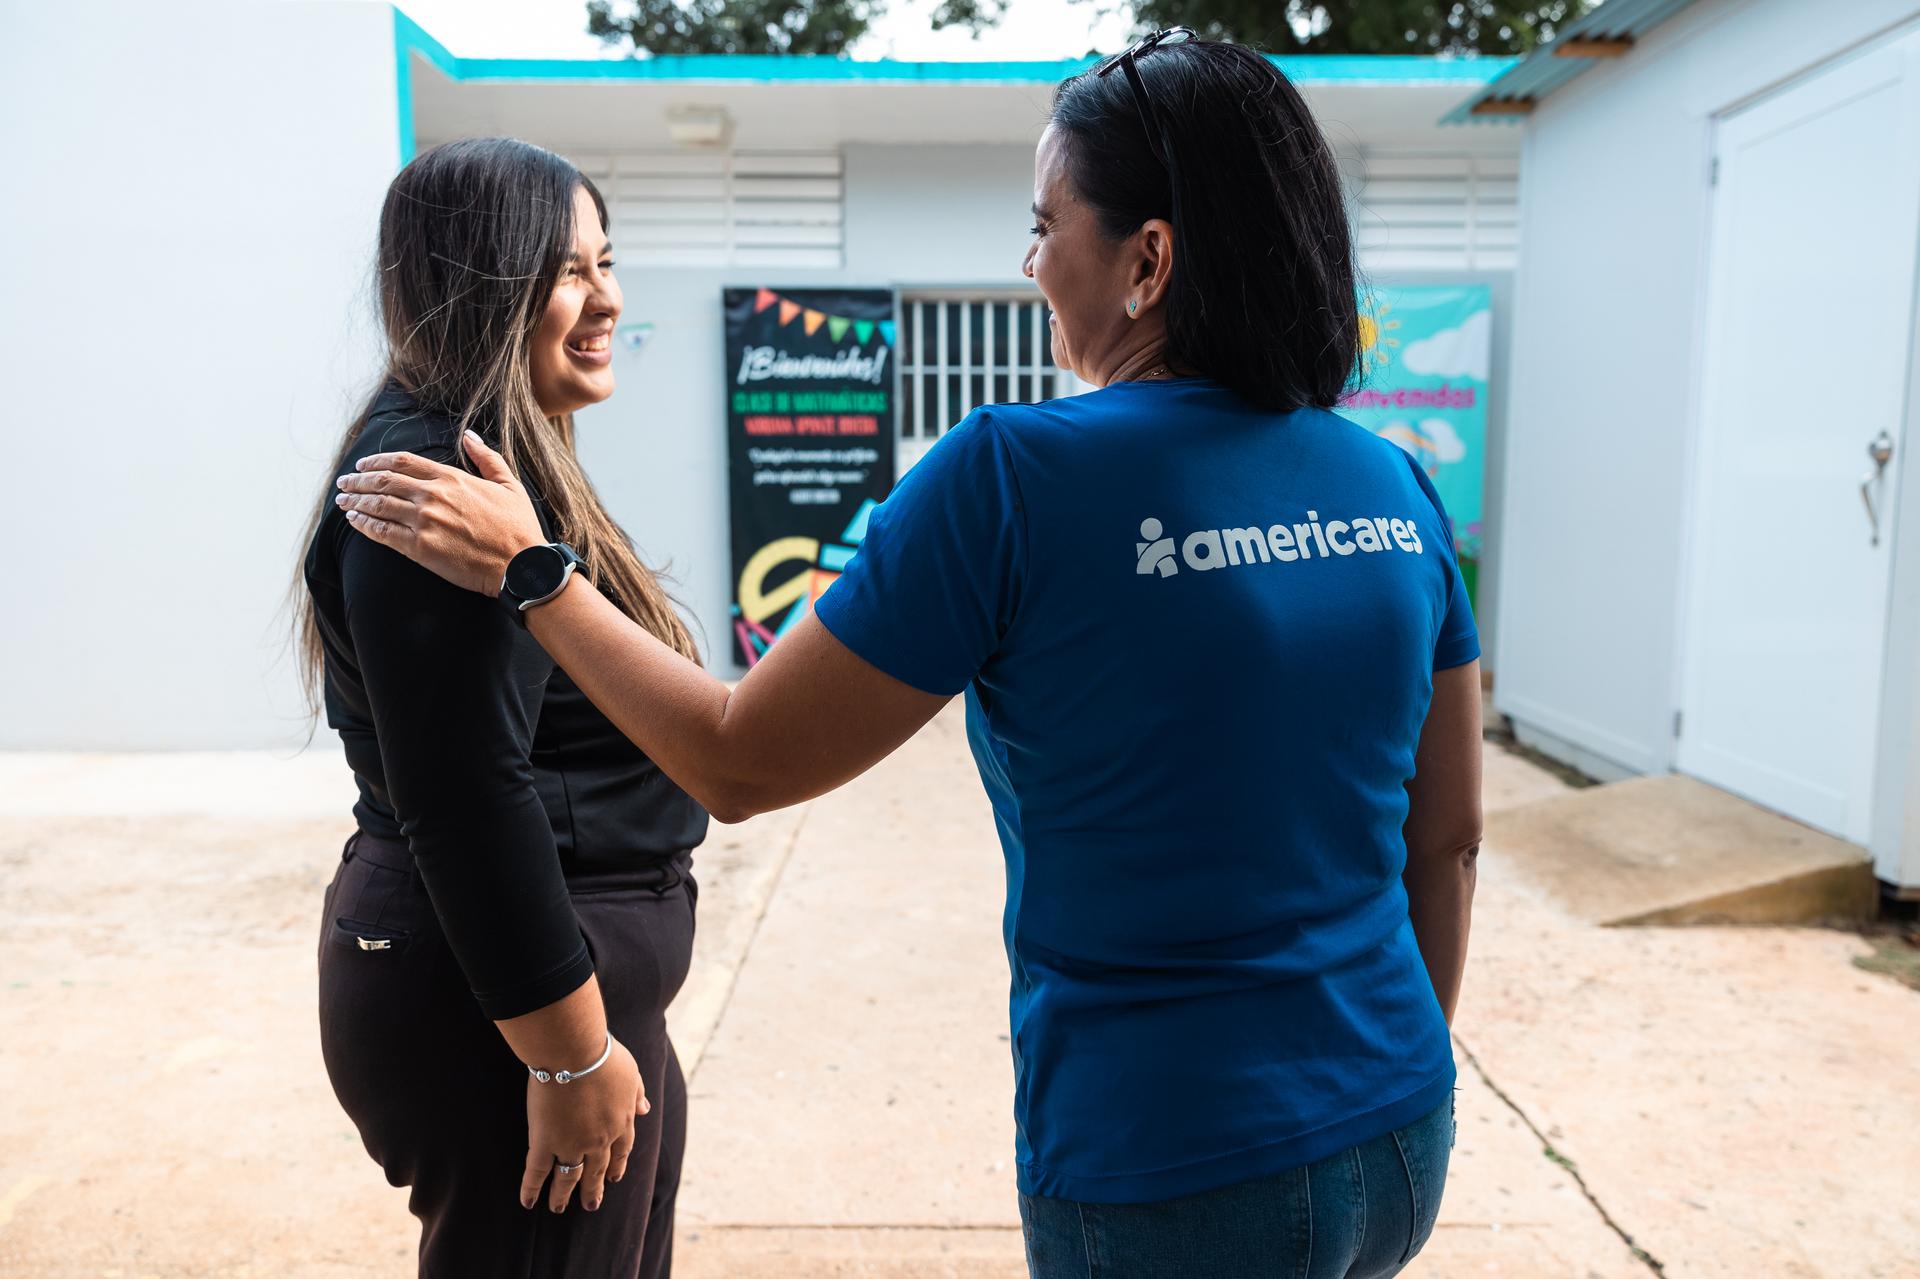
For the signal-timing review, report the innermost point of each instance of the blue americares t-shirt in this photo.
(1198, 642)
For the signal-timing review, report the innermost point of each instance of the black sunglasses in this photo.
(1149, 118)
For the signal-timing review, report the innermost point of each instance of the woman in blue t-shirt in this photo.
(1221, 684)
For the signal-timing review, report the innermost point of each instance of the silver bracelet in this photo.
(568, 1076)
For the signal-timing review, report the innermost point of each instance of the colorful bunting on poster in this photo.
(837, 325)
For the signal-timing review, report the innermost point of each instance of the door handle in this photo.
(1880, 452)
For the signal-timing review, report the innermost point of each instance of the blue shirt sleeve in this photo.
(937, 579)
(1459, 639)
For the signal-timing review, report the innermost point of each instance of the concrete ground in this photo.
(1693, 1102)
(1674, 850)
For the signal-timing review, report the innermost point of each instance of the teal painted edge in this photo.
(409, 38)
(403, 83)
(816, 69)
(411, 34)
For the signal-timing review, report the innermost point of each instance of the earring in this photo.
(1133, 306)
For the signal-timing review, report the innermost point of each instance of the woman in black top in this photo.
(515, 907)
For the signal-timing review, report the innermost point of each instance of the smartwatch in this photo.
(536, 575)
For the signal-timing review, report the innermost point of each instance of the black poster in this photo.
(810, 433)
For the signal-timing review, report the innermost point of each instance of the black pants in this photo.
(440, 1099)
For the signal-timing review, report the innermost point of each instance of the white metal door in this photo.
(1808, 341)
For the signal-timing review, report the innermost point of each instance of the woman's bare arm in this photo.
(809, 717)
(1443, 829)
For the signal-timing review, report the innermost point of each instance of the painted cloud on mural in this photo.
(1434, 443)
(1460, 351)
(1446, 444)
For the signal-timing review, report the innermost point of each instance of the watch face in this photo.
(534, 572)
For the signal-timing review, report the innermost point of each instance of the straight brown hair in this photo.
(473, 238)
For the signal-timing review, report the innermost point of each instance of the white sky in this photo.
(558, 29)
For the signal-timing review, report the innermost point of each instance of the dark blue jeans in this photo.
(1360, 1214)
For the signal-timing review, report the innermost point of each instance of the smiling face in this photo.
(1105, 294)
(572, 347)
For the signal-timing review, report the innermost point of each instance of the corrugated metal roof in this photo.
(1541, 72)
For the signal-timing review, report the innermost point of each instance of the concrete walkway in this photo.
(1736, 1102)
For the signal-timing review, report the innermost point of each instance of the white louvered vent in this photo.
(720, 209)
(1429, 211)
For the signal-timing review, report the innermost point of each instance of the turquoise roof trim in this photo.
(410, 35)
(408, 38)
(820, 69)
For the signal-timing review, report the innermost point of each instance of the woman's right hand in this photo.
(587, 1121)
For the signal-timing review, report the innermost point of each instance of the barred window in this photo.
(959, 350)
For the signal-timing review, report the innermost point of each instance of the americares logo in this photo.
(1211, 548)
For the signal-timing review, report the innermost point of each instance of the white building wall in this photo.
(1614, 205)
(915, 217)
(189, 208)
(238, 193)
(931, 216)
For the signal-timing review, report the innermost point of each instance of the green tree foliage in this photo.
(1281, 26)
(1369, 26)
(731, 26)
(759, 26)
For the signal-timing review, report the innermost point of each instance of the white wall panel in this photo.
(1614, 204)
(182, 344)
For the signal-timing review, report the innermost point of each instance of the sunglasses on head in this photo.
(1149, 118)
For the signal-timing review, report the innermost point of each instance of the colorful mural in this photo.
(1424, 356)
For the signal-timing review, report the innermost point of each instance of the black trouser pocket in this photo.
(377, 910)
(358, 934)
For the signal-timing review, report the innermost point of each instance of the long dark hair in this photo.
(1262, 290)
(473, 238)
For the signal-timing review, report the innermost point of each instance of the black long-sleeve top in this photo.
(470, 744)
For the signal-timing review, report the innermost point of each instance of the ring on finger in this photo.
(566, 1170)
